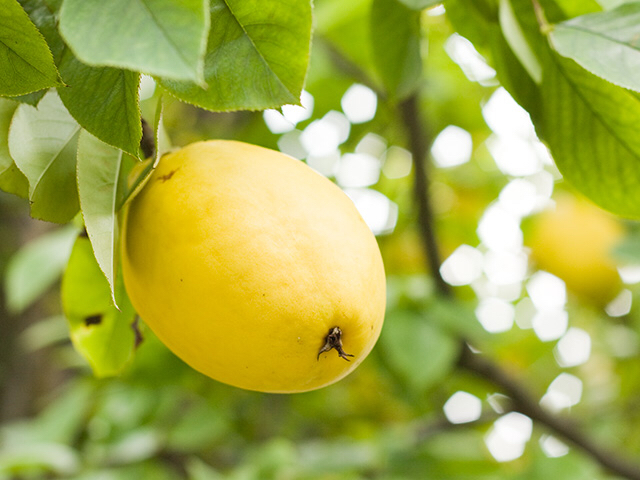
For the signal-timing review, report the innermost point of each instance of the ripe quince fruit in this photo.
(253, 268)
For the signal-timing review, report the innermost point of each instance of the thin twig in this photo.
(523, 401)
(419, 141)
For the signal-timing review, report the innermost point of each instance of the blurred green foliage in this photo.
(161, 420)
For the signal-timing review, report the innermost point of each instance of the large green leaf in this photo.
(26, 63)
(592, 129)
(418, 351)
(158, 37)
(104, 101)
(43, 142)
(257, 56)
(395, 37)
(36, 266)
(99, 331)
(44, 17)
(102, 187)
(12, 180)
(605, 43)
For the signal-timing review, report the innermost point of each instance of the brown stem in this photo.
(523, 401)
(147, 142)
(419, 141)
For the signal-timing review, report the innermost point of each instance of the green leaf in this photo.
(395, 36)
(102, 187)
(36, 267)
(158, 37)
(559, 10)
(104, 101)
(44, 17)
(26, 63)
(418, 351)
(12, 180)
(99, 331)
(591, 127)
(515, 35)
(604, 43)
(420, 4)
(257, 56)
(43, 142)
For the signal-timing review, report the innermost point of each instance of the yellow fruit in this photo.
(248, 264)
(574, 242)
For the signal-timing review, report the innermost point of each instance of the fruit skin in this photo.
(242, 259)
(574, 242)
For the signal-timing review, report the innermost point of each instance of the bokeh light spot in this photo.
(299, 113)
(499, 229)
(506, 118)
(462, 407)
(359, 103)
(357, 170)
(621, 305)
(564, 391)
(463, 266)
(321, 138)
(552, 447)
(453, 146)
(574, 348)
(290, 144)
(507, 438)
(547, 291)
(465, 55)
(550, 324)
(378, 212)
(495, 315)
(397, 163)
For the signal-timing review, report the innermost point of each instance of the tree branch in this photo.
(419, 141)
(522, 401)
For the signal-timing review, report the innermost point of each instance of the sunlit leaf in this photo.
(43, 142)
(257, 56)
(102, 186)
(515, 34)
(395, 37)
(26, 64)
(592, 129)
(419, 4)
(419, 352)
(605, 43)
(12, 180)
(36, 267)
(104, 101)
(158, 37)
(100, 332)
